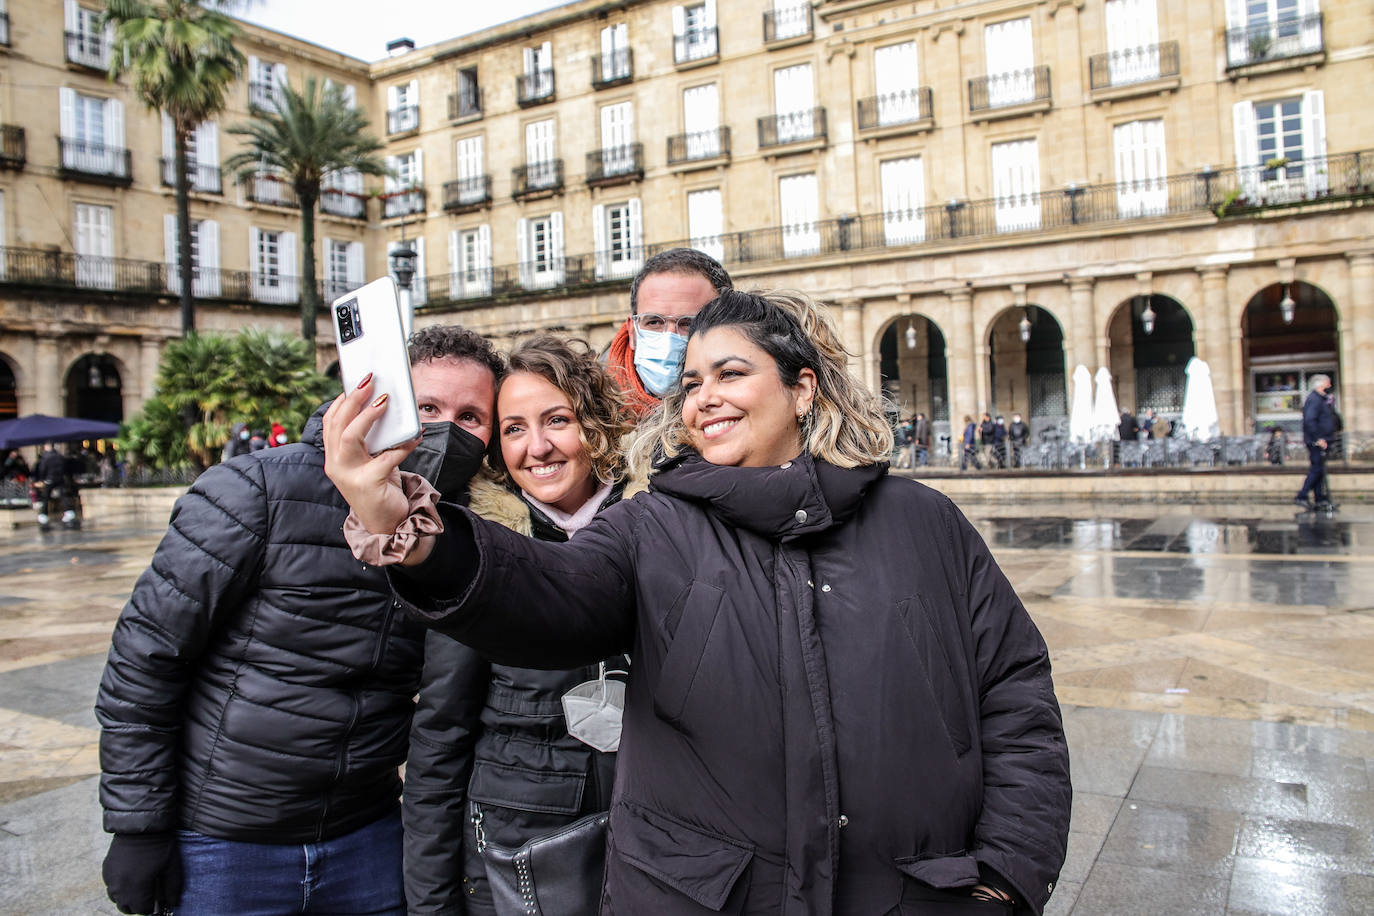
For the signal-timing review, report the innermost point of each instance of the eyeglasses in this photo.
(648, 321)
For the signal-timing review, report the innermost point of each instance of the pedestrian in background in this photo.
(969, 454)
(1019, 434)
(1318, 430)
(920, 444)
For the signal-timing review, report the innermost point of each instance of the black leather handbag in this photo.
(555, 875)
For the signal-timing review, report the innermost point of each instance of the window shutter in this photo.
(679, 22)
(207, 144)
(455, 265)
(255, 265)
(66, 99)
(636, 232)
(419, 168)
(114, 124)
(392, 98)
(1247, 146)
(169, 239)
(1237, 48)
(484, 258)
(1314, 142)
(357, 275)
(529, 61)
(608, 52)
(279, 75)
(290, 276)
(413, 94)
(546, 56)
(599, 241)
(169, 138)
(419, 286)
(209, 258)
(350, 95)
(389, 181)
(522, 244)
(556, 246)
(708, 18)
(72, 17)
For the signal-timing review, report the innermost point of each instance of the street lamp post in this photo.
(403, 266)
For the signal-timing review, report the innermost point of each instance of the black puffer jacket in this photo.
(837, 704)
(260, 682)
(491, 740)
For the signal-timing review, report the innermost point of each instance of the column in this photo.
(852, 335)
(1357, 380)
(961, 356)
(149, 353)
(47, 370)
(1079, 342)
(1216, 346)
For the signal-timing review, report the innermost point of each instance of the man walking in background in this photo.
(1318, 433)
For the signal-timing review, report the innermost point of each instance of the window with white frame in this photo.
(539, 71)
(617, 138)
(469, 258)
(87, 43)
(204, 255)
(403, 107)
(540, 243)
(701, 121)
(706, 222)
(1141, 168)
(93, 239)
(1010, 62)
(403, 185)
(794, 100)
(799, 206)
(694, 31)
(92, 130)
(617, 236)
(202, 156)
(1266, 29)
(343, 264)
(1132, 41)
(1281, 147)
(341, 193)
(419, 286)
(472, 184)
(274, 265)
(897, 82)
(903, 189)
(790, 18)
(615, 53)
(265, 80)
(541, 169)
(469, 93)
(1016, 185)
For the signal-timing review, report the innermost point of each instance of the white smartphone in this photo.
(370, 338)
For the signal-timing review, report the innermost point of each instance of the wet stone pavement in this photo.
(1215, 665)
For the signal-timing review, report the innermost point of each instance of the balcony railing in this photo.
(534, 88)
(203, 177)
(1133, 65)
(269, 189)
(702, 144)
(790, 22)
(80, 159)
(698, 44)
(616, 164)
(403, 203)
(906, 107)
(467, 194)
(1274, 39)
(400, 120)
(464, 104)
(5, 29)
(13, 147)
(262, 94)
(612, 69)
(1001, 90)
(792, 127)
(347, 204)
(86, 49)
(537, 178)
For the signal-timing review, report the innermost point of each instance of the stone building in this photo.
(988, 193)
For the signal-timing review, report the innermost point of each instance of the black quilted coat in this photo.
(260, 682)
(838, 703)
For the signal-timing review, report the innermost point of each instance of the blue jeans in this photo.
(353, 875)
(1315, 482)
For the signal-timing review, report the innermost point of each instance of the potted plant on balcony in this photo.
(1260, 42)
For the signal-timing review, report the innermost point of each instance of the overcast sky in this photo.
(362, 28)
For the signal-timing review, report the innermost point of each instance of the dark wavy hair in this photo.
(603, 418)
(680, 261)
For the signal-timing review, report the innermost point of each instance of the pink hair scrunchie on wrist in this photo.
(388, 549)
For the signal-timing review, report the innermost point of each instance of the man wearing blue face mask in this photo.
(645, 357)
(260, 684)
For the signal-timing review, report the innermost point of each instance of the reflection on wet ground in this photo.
(1305, 533)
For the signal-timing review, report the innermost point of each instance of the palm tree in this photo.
(183, 60)
(308, 135)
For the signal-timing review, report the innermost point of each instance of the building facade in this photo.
(989, 194)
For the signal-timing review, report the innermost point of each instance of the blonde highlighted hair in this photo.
(846, 427)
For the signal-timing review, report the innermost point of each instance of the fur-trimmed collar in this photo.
(494, 502)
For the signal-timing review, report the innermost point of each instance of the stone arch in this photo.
(9, 387)
(1282, 349)
(1147, 366)
(1026, 366)
(913, 366)
(93, 387)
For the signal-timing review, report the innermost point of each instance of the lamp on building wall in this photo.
(910, 335)
(1025, 326)
(1287, 306)
(1147, 319)
(93, 377)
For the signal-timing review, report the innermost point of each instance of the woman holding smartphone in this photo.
(493, 769)
(838, 703)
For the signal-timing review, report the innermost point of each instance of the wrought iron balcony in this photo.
(1004, 90)
(95, 162)
(702, 144)
(86, 49)
(534, 88)
(467, 104)
(467, 194)
(537, 178)
(405, 118)
(269, 189)
(699, 44)
(792, 127)
(1133, 65)
(347, 204)
(612, 69)
(786, 23)
(615, 165)
(403, 203)
(909, 106)
(1274, 39)
(203, 177)
(13, 147)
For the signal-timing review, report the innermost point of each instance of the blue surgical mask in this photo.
(658, 359)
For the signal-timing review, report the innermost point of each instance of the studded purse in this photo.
(559, 874)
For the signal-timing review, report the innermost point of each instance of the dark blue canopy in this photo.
(37, 428)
